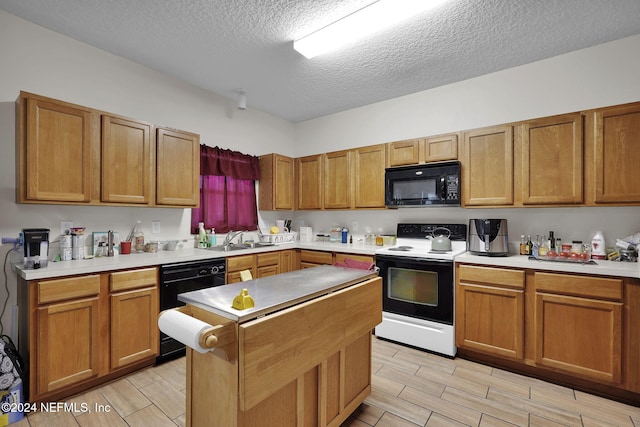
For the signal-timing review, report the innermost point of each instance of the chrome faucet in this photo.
(232, 235)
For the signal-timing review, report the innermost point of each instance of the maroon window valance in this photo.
(222, 162)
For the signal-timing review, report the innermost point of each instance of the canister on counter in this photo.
(78, 246)
(576, 246)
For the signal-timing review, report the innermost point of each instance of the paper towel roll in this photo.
(183, 328)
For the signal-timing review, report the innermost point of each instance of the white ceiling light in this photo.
(370, 19)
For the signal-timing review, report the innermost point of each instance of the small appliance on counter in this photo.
(36, 247)
(488, 237)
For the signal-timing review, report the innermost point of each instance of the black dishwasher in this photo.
(179, 278)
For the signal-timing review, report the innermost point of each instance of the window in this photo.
(227, 191)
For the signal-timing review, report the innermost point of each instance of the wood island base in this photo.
(306, 365)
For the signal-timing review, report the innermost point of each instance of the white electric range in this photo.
(418, 287)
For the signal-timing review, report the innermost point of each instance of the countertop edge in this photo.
(123, 262)
(603, 268)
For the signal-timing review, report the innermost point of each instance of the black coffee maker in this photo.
(36, 247)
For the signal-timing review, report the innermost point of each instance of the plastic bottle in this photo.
(345, 232)
(138, 238)
(212, 238)
(202, 236)
(598, 250)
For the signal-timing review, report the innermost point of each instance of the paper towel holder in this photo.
(207, 338)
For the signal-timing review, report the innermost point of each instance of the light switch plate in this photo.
(155, 227)
(65, 226)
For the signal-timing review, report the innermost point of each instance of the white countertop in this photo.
(120, 262)
(603, 268)
(135, 260)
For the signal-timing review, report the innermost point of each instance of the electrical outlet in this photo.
(155, 227)
(354, 225)
(66, 226)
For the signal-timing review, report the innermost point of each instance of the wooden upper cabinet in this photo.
(368, 171)
(177, 168)
(402, 153)
(126, 161)
(337, 180)
(488, 167)
(53, 150)
(552, 159)
(276, 189)
(615, 155)
(440, 148)
(309, 177)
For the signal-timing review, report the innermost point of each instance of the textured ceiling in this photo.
(223, 45)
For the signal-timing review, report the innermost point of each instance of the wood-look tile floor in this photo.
(410, 388)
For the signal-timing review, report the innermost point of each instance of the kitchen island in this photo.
(300, 356)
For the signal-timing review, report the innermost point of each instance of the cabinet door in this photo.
(490, 310)
(581, 336)
(177, 168)
(286, 260)
(439, 148)
(67, 344)
(337, 180)
(617, 154)
(488, 167)
(126, 161)
(309, 171)
(54, 154)
(403, 153)
(552, 158)
(369, 163)
(269, 270)
(276, 182)
(134, 329)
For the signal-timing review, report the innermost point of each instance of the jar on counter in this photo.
(576, 247)
(379, 240)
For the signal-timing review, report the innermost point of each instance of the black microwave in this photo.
(432, 184)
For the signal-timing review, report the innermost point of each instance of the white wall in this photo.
(40, 61)
(599, 76)
(595, 77)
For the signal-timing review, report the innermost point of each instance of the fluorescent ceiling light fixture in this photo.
(373, 18)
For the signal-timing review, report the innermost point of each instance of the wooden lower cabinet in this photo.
(78, 333)
(287, 260)
(134, 316)
(490, 310)
(67, 344)
(579, 331)
(314, 258)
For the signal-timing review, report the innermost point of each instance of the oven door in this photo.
(417, 287)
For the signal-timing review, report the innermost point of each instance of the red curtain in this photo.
(227, 191)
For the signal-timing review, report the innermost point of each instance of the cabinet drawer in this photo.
(68, 288)
(243, 262)
(316, 257)
(583, 286)
(133, 279)
(492, 276)
(365, 258)
(271, 258)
